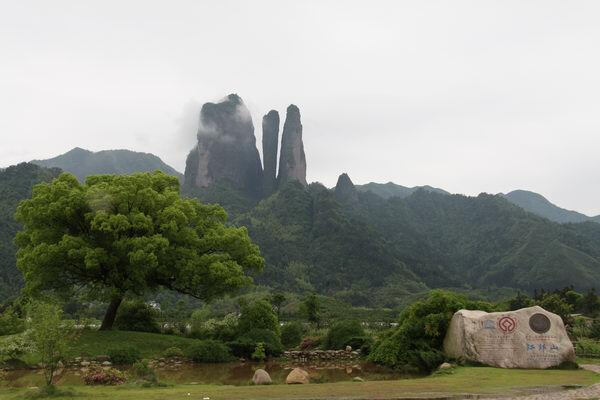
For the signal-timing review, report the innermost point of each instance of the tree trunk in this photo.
(111, 314)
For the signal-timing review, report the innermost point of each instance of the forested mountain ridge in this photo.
(16, 183)
(539, 205)
(83, 163)
(390, 189)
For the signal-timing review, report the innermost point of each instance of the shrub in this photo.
(15, 346)
(173, 352)
(594, 329)
(362, 343)
(100, 376)
(209, 351)
(340, 333)
(141, 370)
(10, 323)
(245, 344)
(291, 334)
(137, 316)
(224, 330)
(259, 352)
(416, 344)
(124, 355)
(258, 315)
(588, 347)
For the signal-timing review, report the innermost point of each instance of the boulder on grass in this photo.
(297, 376)
(527, 338)
(261, 377)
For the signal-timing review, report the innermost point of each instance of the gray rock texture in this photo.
(270, 144)
(261, 377)
(226, 148)
(527, 338)
(292, 161)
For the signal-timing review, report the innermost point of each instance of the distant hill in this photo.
(82, 163)
(537, 204)
(16, 183)
(390, 189)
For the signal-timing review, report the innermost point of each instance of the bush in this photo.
(137, 316)
(10, 323)
(124, 355)
(258, 315)
(209, 351)
(223, 330)
(291, 334)
(173, 352)
(245, 344)
(142, 371)
(594, 329)
(340, 333)
(100, 376)
(588, 347)
(416, 344)
(362, 343)
(15, 346)
(259, 352)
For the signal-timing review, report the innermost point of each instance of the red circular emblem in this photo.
(507, 324)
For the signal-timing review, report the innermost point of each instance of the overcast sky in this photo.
(470, 96)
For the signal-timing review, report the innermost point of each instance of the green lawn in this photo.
(463, 380)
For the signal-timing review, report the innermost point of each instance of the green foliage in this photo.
(209, 351)
(259, 352)
(141, 370)
(15, 346)
(122, 235)
(291, 334)
(224, 329)
(340, 334)
(50, 336)
(16, 183)
(246, 343)
(173, 352)
(123, 355)
(555, 304)
(311, 308)
(258, 315)
(10, 323)
(416, 344)
(137, 316)
(588, 347)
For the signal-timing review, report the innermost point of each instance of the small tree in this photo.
(312, 310)
(277, 299)
(258, 315)
(49, 335)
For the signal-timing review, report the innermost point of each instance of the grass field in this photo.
(467, 380)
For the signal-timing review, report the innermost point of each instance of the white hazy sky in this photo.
(470, 96)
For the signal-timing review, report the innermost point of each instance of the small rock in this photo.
(107, 363)
(85, 364)
(358, 379)
(261, 377)
(348, 349)
(445, 366)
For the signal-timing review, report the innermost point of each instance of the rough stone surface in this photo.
(226, 149)
(270, 144)
(445, 366)
(261, 377)
(527, 338)
(292, 161)
(297, 376)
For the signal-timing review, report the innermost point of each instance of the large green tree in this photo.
(119, 236)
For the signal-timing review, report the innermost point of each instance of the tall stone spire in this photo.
(292, 161)
(270, 143)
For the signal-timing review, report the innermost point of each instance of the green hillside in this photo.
(82, 163)
(390, 189)
(539, 205)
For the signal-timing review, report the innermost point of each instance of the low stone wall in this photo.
(321, 355)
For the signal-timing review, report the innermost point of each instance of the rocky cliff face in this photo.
(292, 161)
(226, 149)
(270, 143)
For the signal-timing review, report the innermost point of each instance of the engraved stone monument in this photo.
(527, 338)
